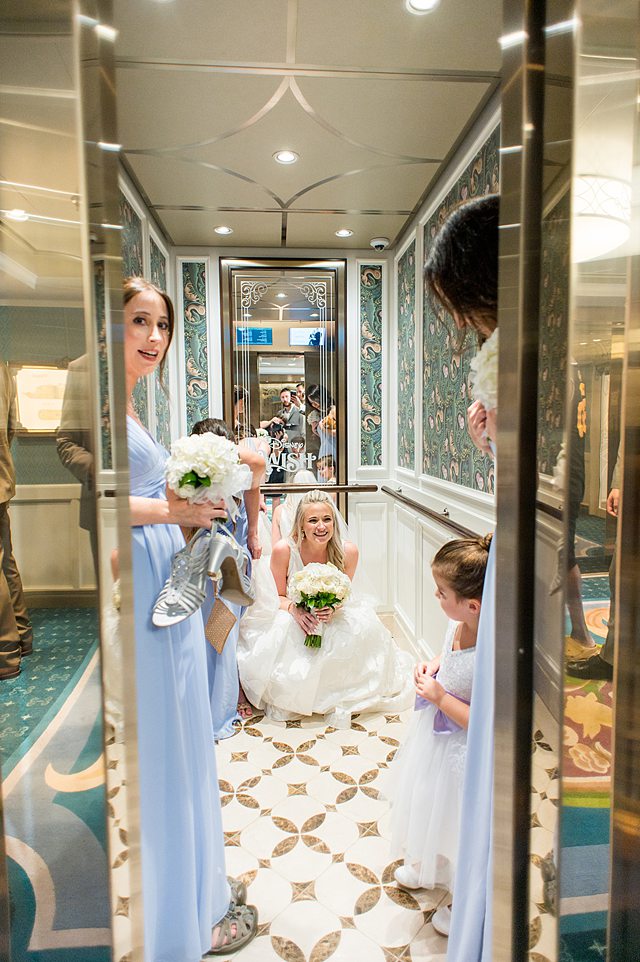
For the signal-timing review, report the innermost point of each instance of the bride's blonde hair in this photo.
(335, 551)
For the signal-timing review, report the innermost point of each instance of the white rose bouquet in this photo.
(318, 586)
(206, 467)
(484, 373)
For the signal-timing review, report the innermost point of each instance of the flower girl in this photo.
(428, 772)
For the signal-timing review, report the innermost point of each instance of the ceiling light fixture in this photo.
(16, 214)
(106, 32)
(420, 7)
(344, 232)
(112, 148)
(314, 315)
(223, 229)
(281, 294)
(286, 156)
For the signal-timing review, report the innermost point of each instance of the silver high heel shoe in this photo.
(184, 589)
(227, 557)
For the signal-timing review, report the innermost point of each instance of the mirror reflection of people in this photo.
(288, 415)
(301, 396)
(322, 418)
(600, 666)
(189, 906)
(358, 667)
(16, 632)
(462, 275)
(74, 445)
(326, 469)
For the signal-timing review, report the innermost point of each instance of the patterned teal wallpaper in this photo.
(371, 365)
(448, 452)
(163, 415)
(133, 266)
(194, 307)
(406, 357)
(554, 319)
(103, 364)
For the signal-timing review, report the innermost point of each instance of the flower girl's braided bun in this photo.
(462, 564)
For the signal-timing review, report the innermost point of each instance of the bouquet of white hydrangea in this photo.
(318, 586)
(206, 467)
(484, 373)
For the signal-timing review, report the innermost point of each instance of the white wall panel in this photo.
(404, 568)
(368, 521)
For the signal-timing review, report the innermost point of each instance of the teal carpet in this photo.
(55, 823)
(64, 641)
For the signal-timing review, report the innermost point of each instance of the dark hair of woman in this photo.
(213, 426)
(318, 394)
(137, 285)
(239, 393)
(461, 271)
(462, 563)
(245, 431)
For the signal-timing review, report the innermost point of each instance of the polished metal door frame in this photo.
(519, 288)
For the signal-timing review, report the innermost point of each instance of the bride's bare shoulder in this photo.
(280, 551)
(350, 550)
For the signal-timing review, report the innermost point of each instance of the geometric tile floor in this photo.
(307, 826)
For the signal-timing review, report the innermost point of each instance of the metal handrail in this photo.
(442, 519)
(329, 488)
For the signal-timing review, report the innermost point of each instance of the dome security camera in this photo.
(379, 243)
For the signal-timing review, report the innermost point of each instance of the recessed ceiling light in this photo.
(314, 315)
(106, 32)
(112, 148)
(583, 343)
(421, 6)
(17, 214)
(281, 294)
(344, 232)
(286, 156)
(223, 229)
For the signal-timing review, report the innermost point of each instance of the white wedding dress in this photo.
(358, 667)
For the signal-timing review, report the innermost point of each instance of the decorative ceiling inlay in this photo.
(354, 126)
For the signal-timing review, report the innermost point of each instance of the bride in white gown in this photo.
(358, 667)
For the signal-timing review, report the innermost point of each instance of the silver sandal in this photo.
(245, 919)
(238, 891)
(185, 588)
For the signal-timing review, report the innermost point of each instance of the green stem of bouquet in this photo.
(313, 641)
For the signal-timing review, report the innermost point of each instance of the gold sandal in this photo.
(245, 919)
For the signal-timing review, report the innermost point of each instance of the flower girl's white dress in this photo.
(358, 667)
(427, 778)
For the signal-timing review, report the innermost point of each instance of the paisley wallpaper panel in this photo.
(163, 415)
(370, 365)
(406, 357)
(448, 452)
(554, 321)
(194, 307)
(103, 365)
(133, 266)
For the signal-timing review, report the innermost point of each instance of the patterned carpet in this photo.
(586, 799)
(54, 797)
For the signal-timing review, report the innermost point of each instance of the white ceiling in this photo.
(371, 97)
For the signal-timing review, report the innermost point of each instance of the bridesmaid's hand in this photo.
(477, 426)
(254, 546)
(189, 515)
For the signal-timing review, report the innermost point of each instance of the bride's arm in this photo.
(279, 567)
(350, 559)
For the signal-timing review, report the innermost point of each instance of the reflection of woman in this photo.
(462, 274)
(189, 906)
(322, 419)
(357, 667)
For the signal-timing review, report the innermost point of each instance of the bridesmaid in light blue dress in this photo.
(188, 906)
(462, 274)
